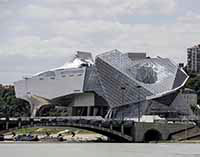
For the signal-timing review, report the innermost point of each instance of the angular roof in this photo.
(156, 76)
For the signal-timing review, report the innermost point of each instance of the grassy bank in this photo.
(42, 131)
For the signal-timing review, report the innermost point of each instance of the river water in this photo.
(99, 150)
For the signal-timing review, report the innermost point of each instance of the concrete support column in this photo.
(111, 126)
(70, 111)
(95, 111)
(133, 131)
(122, 128)
(31, 122)
(19, 123)
(7, 124)
(88, 110)
(34, 109)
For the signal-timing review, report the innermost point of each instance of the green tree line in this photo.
(194, 83)
(10, 106)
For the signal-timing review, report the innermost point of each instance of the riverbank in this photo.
(53, 135)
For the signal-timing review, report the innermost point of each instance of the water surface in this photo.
(99, 150)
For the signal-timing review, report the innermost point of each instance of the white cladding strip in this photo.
(51, 88)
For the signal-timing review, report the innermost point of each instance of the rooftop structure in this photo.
(116, 84)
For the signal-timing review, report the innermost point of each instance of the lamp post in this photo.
(26, 85)
(138, 87)
(123, 89)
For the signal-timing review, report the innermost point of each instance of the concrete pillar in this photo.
(94, 111)
(133, 131)
(33, 110)
(70, 111)
(88, 110)
(19, 123)
(122, 128)
(31, 122)
(111, 126)
(7, 124)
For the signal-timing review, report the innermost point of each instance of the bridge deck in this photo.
(113, 129)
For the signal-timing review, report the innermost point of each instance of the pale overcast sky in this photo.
(36, 35)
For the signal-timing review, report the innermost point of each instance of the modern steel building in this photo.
(118, 85)
(193, 59)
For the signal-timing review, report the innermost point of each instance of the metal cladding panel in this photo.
(92, 81)
(113, 80)
(156, 107)
(156, 75)
(178, 105)
(151, 107)
(50, 86)
(130, 111)
(180, 79)
(167, 99)
(21, 89)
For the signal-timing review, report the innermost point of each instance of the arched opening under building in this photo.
(152, 135)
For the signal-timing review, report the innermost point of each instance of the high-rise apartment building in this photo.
(193, 59)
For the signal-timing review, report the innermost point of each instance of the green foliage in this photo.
(10, 106)
(195, 110)
(194, 83)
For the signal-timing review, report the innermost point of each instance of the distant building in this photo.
(193, 59)
(190, 96)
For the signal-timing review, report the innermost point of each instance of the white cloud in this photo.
(60, 27)
(98, 36)
(190, 18)
(91, 9)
